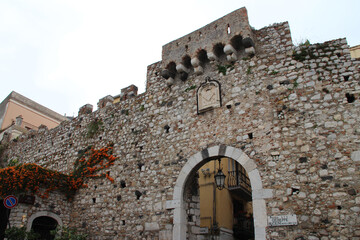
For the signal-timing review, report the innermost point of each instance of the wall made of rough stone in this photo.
(221, 30)
(290, 115)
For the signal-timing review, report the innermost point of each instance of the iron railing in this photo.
(238, 179)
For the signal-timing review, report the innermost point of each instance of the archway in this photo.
(43, 226)
(258, 193)
(43, 223)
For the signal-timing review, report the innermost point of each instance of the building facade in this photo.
(355, 51)
(288, 115)
(19, 114)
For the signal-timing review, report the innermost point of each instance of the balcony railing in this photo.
(238, 180)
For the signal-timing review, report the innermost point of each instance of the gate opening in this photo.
(44, 225)
(219, 214)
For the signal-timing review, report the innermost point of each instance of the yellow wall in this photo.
(355, 51)
(224, 210)
(116, 100)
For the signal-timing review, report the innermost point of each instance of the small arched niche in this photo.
(218, 50)
(236, 42)
(186, 61)
(171, 67)
(202, 56)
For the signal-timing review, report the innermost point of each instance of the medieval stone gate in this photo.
(259, 194)
(288, 114)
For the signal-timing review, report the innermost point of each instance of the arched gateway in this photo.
(44, 214)
(259, 194)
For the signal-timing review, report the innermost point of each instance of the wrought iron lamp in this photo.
(220, 178)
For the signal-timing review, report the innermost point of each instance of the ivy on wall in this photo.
(37, 180)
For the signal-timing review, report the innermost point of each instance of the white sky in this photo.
(64, 54)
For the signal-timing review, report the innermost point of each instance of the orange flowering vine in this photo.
(31, 178)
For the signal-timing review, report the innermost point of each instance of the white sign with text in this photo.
(283, 220)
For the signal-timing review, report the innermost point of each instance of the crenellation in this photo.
(86, 109)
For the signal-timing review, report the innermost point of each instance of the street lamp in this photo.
(220, 178)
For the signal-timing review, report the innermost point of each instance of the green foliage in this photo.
(125, 111)
(65, 233)
(305, 43)
(93, 128)
(13, 162)
(273, 72)
(296, 84)
(248, 71)
(16, 233)
(190, 88)
(306, 51)
(322, 46)
(223, 68)
(142, 108)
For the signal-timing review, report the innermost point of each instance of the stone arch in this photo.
(259, 194)
(43, 214)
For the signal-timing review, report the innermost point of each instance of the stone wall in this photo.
(293, 110)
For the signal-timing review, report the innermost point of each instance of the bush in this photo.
(65, 233)
(16, 233)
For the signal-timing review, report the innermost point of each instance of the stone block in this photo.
(181, 68)
(165, 235)
(153, 226)
(213, 151)
(355, 156)
(250, 51)
(211, 56)
(262, 193)
(229, 49)
(195, 62)
(255, 180)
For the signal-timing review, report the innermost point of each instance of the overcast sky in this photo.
(64, 54)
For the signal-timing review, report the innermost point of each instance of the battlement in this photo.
(229, 36)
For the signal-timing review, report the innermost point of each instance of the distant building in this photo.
(19, 114)
(355, 51)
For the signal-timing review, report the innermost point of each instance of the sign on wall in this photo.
(283, 220)
(10, 201)
(208, 95)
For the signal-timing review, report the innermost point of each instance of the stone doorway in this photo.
(180, 200)
(43, 222)
(219, 213)
(44, 225)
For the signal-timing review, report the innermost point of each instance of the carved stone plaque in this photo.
(208, 95)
